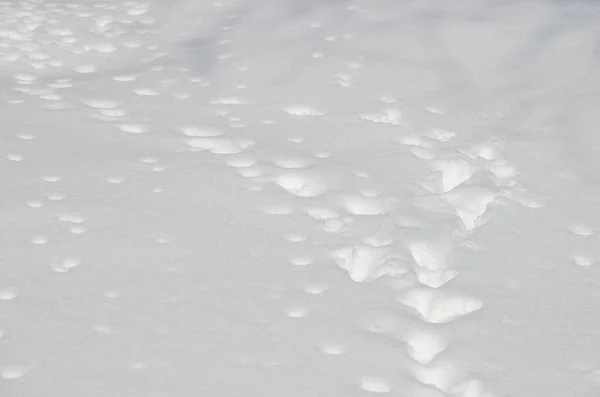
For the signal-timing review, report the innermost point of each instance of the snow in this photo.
(299, 198)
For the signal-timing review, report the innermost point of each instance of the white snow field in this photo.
(299, 198)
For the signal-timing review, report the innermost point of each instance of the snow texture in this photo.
(299, 198)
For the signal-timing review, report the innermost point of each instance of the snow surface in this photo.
(299, 198)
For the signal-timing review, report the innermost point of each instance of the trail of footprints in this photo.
(464, 183)
(448, 187)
